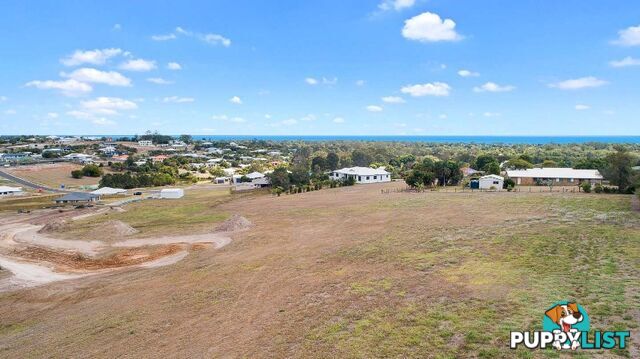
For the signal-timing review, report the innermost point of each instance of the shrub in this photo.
(92, 171)
(76, 174)
(586, 187)
(598, 188)
(508, 182)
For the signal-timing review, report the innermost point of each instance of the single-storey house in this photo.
(555, 176)
(490, 182)
(171, 193)
(251, 176)
(6, 191)
(468, 171)
(78, 197)
(362, 174)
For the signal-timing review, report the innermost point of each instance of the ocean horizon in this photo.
(531, 140)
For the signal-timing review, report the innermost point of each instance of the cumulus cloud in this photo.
(311, 81)
(176, 99)
(94, 57)
(69, 87)
(238, 120)
(429, 27)
(289, 122)
(235, 100)
(493, 87)
(209, 38)
(159, 81)
(428, 89)
(580, 107)
(174, 66)
(329, 81)
(467, 73)
(492, 114)
(108, 105)
(338, 120)
(360, 83)
(111, 78)
(101, 121)
(396, 5)
(53, 115)
(140, 65)
(393, 99)
(629, 36)
(10, 112)
(3, 98)
(374, 108)
(215, 39)
(580, 83)
(627, 61)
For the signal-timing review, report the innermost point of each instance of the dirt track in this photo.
(35, 258)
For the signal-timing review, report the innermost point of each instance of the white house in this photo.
(490, 182)
(251, 176)
(145, 143)
(108, 191)
(171, 193)
(6, 191)
(555, 176)
(362, 174)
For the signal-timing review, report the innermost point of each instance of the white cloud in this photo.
(629, 36)
(311, 81)
(219, 117)
(442, 116)
(138, 65)
(309, 117)
(235, 100)
(493, 87)
(289, 122)
(428, 89)
(396, 5)
(429, 27)
(393, 99)
(116, 27)
(53, 115)
(176, 99)
(331, 81)
(3, 98)
(238, 120)
(627, 61)
(374, 108)
(338, 120)
(580, 107)
(94, 57)
(108, 105)
(159, 81)
(491, 114)
(174, 66)
(69, 87)
(467, 73)
(215, 39)
(580, 83)
(360, 83)
(165, 37)
(10, 112)
(111, 78)
(267, 116)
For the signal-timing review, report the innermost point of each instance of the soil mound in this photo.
(118, 228)
(57, 225)
(235, 223)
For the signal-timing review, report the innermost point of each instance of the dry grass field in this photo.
(53, 175)
(347, 272)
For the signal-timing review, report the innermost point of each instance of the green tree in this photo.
(519, 164)
(619, 171)
(279, 178)
(92, 171)
(482, 161)
(361, 158)
(492, 168)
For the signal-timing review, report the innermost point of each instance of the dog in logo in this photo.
(565, 316)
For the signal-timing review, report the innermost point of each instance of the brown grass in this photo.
(53, 175)
(351, 272)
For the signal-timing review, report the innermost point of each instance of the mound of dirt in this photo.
(235, 223)
(117, 228)
(57, 225)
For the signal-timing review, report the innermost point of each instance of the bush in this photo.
(508, 182)
(586, 187)
(92, 171)
(77, 174)
(598, 188)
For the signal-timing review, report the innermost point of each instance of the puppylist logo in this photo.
(566, 326)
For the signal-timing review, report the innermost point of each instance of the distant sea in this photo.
(531, 140)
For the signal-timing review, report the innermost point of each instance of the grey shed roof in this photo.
(77, 196)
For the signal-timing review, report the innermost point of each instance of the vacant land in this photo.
(347, 272)
(53, 175)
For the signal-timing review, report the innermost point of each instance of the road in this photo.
(28, 183)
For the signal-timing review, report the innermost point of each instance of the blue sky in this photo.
(383, 67)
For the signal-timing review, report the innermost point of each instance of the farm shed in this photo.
(171, 193)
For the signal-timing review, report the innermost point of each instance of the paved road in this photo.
(28, 183)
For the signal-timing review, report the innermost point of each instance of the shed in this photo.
(171, 193)
(108, 191)
(490, 182)
(6, 191)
